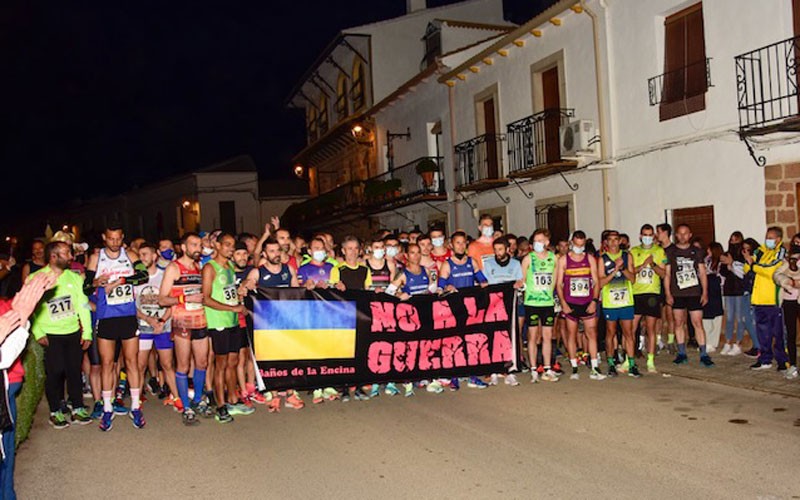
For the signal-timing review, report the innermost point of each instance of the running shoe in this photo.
(119, 407)
(651, 368)
(557, 369)
(152, 386)
(623, 367)
(758, 366)
(791, 373)
(81, 416)
(680, 359)
(107, 421)
(706, 361)
(189, 417)
(375, 391)
(204, 409)
(223, 416)
(294, 401)
(138, 418)
(596, 375)
(434, 386)
(476, 383)
(726, 349)
(97, 411)
(455, 384)
(391, 389)
(550, 376)
(735, 350)
(345, 397)
(409, 388)
(239, 408)
(163, 392)
(575, 376)
(612, 371)
(257, 398)
(752, 353)
(634, 372)
(58, 420)
(212, 400)
(274, 405)
(317, 397)
(360, 395)
(534, 376)
(494, 379)
(330, 394)
(511, 380)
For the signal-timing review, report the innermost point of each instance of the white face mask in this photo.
(647, 240)
(487, 231)
(391, 251)
(438, 242)
(578, 250)
(319, 255)
(207, 251)
(770, 243)
(538, 246)
(379, 253)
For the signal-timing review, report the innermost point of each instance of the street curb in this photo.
(758, 388)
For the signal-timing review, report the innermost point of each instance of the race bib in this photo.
(579, 287)
(193, 290)
(230, 295)
(645, 276)
(619, 296)
(542, 282)
(686, 278)
(122, 294)
(60, 308)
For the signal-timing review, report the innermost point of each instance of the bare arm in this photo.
(164, 298)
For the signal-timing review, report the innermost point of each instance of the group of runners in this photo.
(180, 310)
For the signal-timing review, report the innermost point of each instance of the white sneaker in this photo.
(511, 380)
(550, 376)
(735, 350)
(726, 350)
(534, 376)
(711, 348)
(575, 376)
(493, 379)
(596, 375)
(791, 373)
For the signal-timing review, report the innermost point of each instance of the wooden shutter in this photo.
(699, 219)
(685, 81)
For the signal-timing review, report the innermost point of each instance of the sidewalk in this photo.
(733, 371)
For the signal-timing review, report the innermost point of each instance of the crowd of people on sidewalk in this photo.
(180, 311)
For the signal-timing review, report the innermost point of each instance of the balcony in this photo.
(533, 144)
(480, 163)
(681, 91)
(766, 84)
(349, 202)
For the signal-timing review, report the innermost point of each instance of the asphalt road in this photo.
(657, 437)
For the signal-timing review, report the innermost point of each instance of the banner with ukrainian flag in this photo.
(305, 339)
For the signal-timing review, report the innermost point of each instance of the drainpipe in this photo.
(451, 94)
(601, 108)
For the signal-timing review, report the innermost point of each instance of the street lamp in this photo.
(299, 171)
(186, 204)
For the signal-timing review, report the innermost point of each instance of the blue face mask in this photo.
(168, 254)
(771, 244)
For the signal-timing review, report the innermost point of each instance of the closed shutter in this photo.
(685, 78)
(699, 219)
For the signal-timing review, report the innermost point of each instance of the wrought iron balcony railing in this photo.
(421, 177)
(534, 140)
(677, 85)
(766, 84)
(479, 159)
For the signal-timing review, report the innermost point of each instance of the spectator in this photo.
(734, 299)
(712, 311)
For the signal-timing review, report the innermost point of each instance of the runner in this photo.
(181, 288)
(538, 267)
(380, 268)
(114, 272)
(245, 371)
(222, 306)
(154, 324)
(649, 261)
(577, 287)
(686, 288)
(462, 271)
(664, 239)
(616, 277)
(394, 255)
(503, 269)
(62, 324)
(481, 249)
(274, 274)
(427, 261)
(440, 252)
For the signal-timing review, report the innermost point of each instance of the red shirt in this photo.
(17, 372)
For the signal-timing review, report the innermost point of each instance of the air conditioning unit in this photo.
(575, 138)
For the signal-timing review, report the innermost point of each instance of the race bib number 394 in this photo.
(579, 287)
(122, 294)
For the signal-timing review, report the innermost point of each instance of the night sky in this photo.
(99, 96)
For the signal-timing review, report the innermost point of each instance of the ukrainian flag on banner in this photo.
(288, 330)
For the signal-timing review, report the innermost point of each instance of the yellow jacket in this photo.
(765, 263)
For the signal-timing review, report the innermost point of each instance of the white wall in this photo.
(272, 206)
(239, 187)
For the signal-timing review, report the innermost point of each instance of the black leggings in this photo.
(790, 311)
(62, 360)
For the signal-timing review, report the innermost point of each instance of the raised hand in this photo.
(31, 293)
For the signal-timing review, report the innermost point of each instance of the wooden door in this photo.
(700, 221)
(552, 104)
(558, 223)
(490, 128)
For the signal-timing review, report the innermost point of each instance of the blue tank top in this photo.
(120, 301)
(268, 279)
(462, 275)
(416, 283)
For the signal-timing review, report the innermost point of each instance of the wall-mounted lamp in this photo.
(361, 133)
(299, 171)
(186, 204)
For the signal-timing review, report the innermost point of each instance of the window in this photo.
(311, 126)
(341, 97)
(323, 115)
(685, 76)
(357, 91)
(433, 45)
(227, 216)
(556, 217)
(700, 221)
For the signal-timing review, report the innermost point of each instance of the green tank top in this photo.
(223, 290)
(540, 281)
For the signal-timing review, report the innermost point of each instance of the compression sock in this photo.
(631, 362)
(107, 401)
(651, 358)
(611, 360)
(670, 338)
(199, 384)
(703, 350)
(135, 401)
(182, 381)
(682, 349)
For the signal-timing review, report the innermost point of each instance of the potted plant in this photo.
(426, 168)
(392, 188)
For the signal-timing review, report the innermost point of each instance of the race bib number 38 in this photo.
(230, 295)
(122, 294)
(60, 308)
